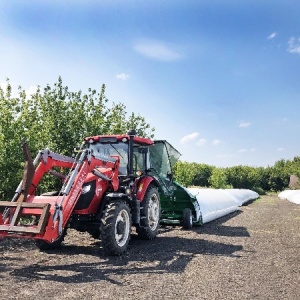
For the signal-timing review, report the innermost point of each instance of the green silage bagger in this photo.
(178, 205)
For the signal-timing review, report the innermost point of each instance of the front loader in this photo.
(115, 182)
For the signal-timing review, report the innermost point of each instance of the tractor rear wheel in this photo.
(150, 215)
(115, 227)
(187, 219)
(43, 245)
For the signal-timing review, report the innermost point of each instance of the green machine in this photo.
(178, 205)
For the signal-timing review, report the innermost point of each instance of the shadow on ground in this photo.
(162, 255)
(217, 228)
(165, 254)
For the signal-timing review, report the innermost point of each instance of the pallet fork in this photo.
(13, 209)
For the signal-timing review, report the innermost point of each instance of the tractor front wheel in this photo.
(115, 227)
(150, 215)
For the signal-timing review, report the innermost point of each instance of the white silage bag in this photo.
(214, 203)
(290, 195)
(241, 196)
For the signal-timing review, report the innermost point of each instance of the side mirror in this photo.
(170, 176)
(76, 150)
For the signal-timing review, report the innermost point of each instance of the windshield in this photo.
(113, 149)
(163, 157)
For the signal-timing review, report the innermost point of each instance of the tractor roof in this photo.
(115, 138)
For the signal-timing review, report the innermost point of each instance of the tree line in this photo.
(260, 179)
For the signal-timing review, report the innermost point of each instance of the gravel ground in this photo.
(251, 254)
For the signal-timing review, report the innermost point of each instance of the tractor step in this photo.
(17, 210)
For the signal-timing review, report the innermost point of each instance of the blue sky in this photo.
(218, 79)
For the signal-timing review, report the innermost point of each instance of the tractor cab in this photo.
(131, 150)
(143, 160)
(138, 157)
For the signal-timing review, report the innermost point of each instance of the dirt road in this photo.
(250, 254)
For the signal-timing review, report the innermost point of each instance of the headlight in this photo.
(127, 191)
(139, 173)
(86, 188)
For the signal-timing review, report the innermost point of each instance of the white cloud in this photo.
(242, 150)
(294, 45)
(216, 142)
(122, 76)
(189, 137)
(281, 149)
(244, 124)
(31, 91)
(157, 50)
(224, 156)
(201, 142)
(15, 91)
(3, 85)
(272, 35)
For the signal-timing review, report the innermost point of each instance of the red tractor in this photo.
(106, 189)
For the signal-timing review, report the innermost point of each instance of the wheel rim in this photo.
(153, 212)
(122, 228)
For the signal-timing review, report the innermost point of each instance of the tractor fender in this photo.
(142, 186)
(112, 197)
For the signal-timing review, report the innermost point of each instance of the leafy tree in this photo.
(201, 174)
(218, 179)
(183, 173)
(261, 184)
(278, 176)
(259, 179)
(242, 176)
(56, 118)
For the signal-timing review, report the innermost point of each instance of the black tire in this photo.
(95, 234)
(115, 228)
(187, 218)
(150, 215)
(43, 245)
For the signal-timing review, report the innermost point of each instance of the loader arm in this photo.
(52, 213)
(64, 204)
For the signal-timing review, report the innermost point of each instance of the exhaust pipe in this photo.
(131, 134)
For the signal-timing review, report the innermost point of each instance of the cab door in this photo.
(163, 156)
